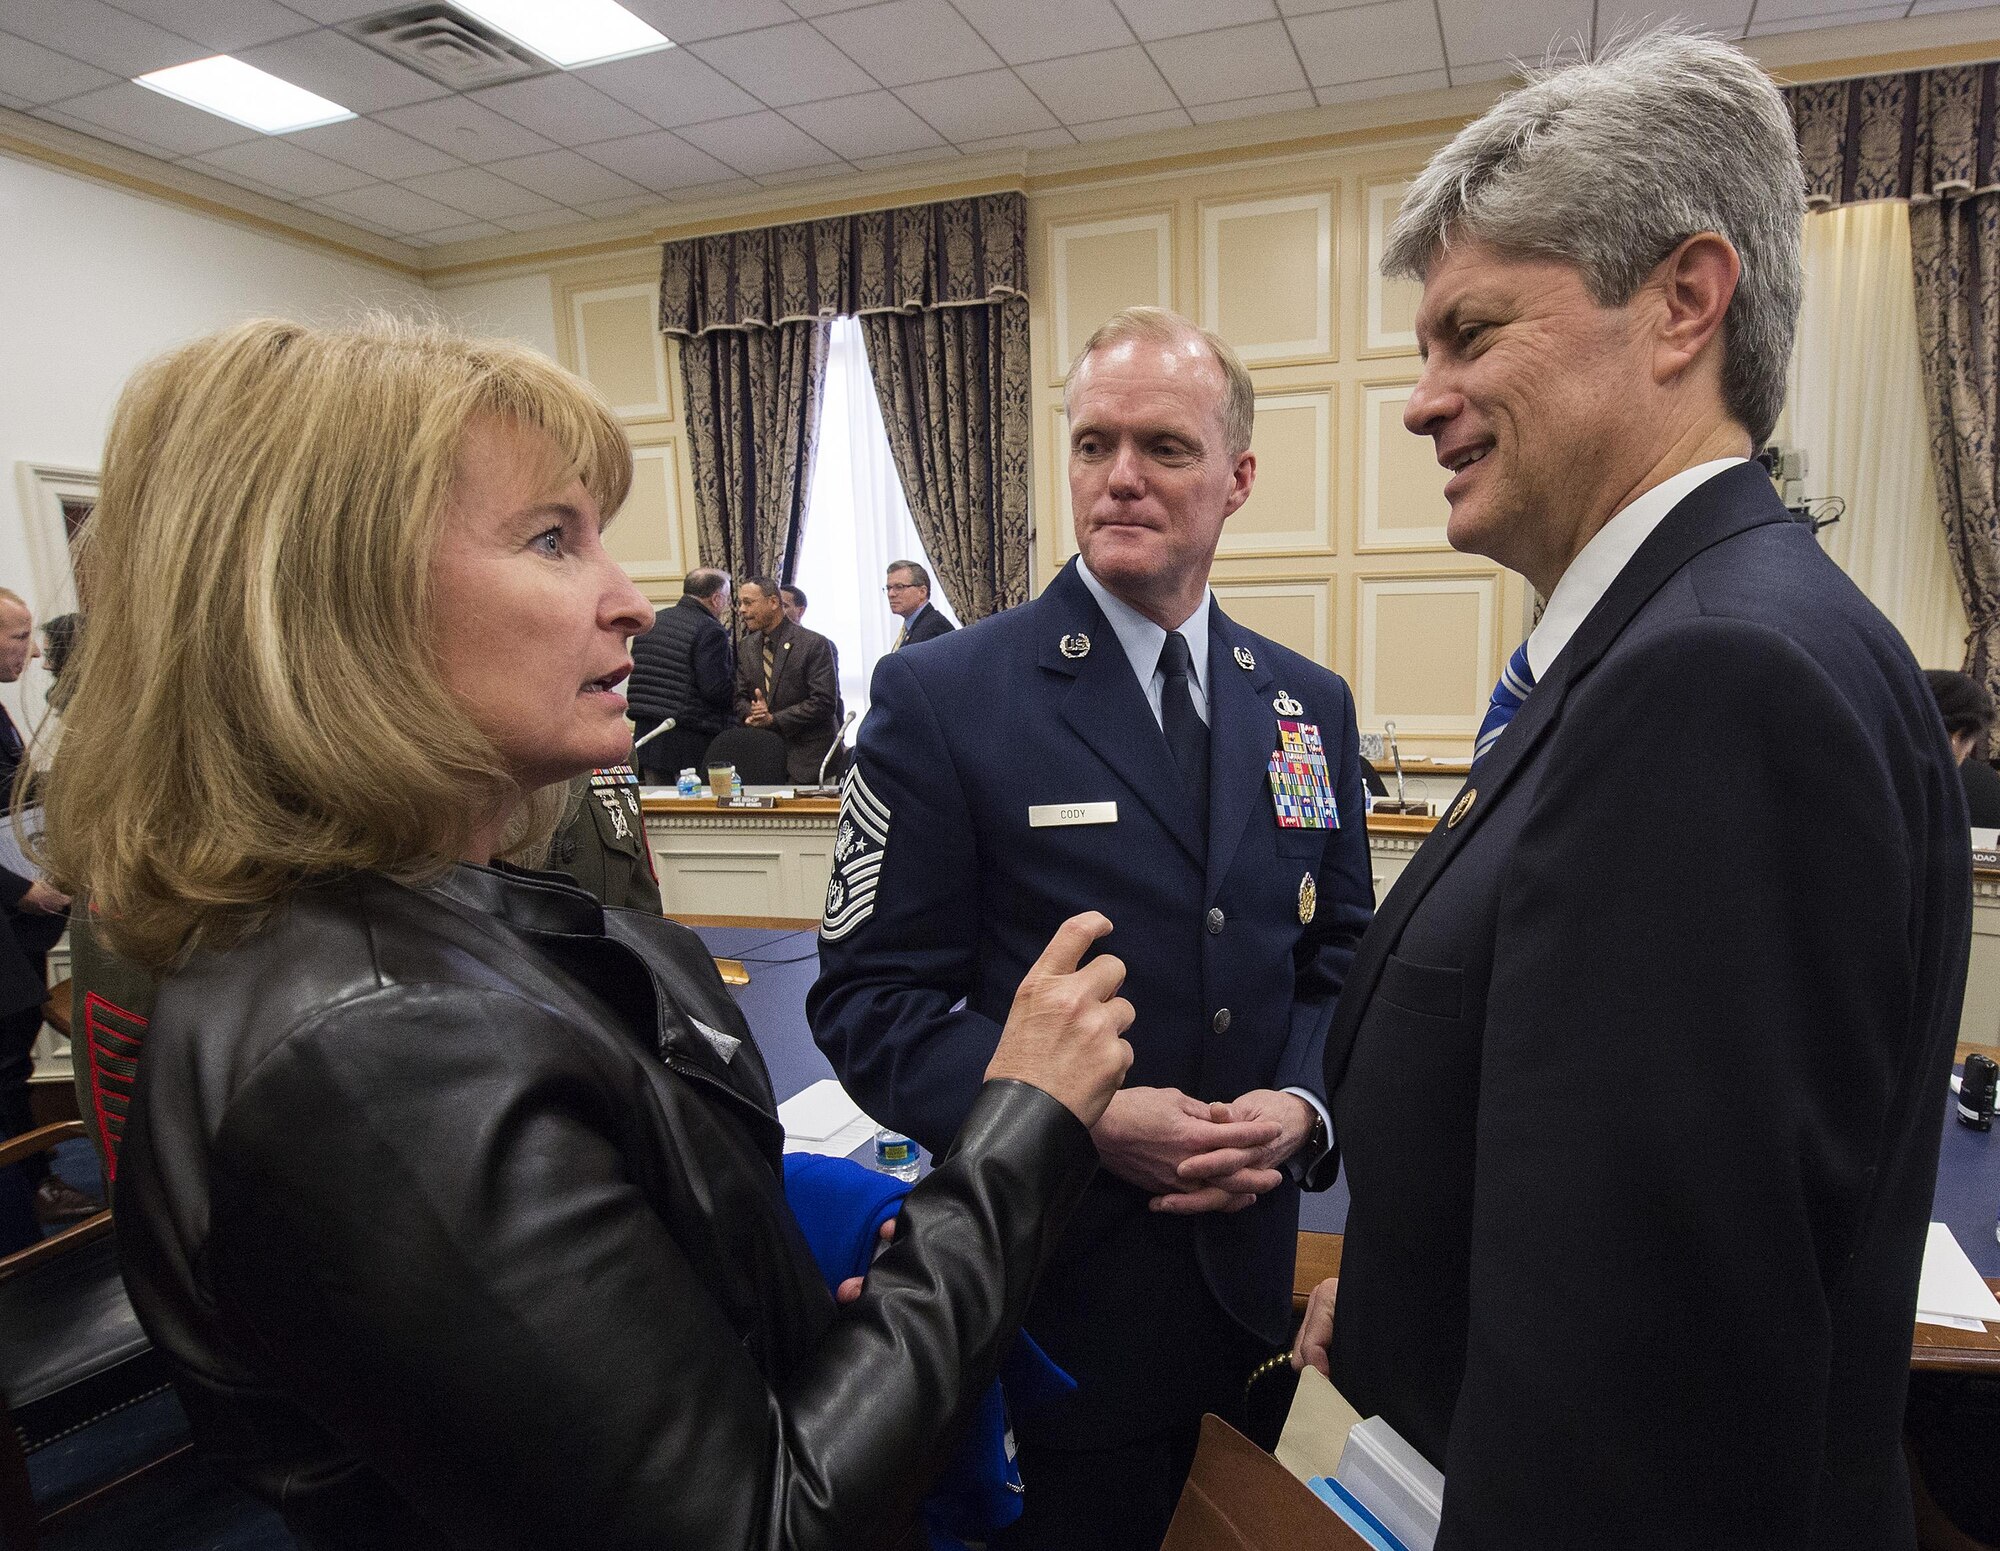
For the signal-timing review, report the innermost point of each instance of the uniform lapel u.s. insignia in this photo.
(1245, 660)
(1462, 807)
(1075, 647)
(1308, 900)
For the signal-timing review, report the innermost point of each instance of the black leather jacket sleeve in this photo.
(440, 1248)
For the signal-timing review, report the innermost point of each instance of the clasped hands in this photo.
(759, 714)
(1200, 1157)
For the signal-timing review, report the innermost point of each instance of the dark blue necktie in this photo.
(1187, 733)
(1516, 680)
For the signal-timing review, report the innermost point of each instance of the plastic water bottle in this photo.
(896, 1155)
(689, 782)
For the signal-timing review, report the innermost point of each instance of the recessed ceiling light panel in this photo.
(244, 95)
(571, 32)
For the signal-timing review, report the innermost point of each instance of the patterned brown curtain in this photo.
(941, 291)
(753, 411)
(1928, 137)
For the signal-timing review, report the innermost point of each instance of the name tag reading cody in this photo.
(1053, 815)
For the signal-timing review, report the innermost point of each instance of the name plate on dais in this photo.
(1053, 815)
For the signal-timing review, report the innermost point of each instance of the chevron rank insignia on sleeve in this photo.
(858, 849)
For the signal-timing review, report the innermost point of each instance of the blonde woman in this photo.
(453, 1197)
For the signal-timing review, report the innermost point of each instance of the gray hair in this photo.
(1609, 164)
(1161, 327)
(918, 576)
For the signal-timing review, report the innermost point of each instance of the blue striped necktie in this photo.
(1516, 680)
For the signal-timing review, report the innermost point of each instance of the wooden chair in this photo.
(71, 1353)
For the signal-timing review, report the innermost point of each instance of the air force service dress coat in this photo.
(1010, 775)
(1637, 1076)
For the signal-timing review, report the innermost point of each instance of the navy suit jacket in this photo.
(1637, 1074)
(961, 740)
(927, 624)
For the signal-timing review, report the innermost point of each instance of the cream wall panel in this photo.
(1425, 652)
(1290, 509)
(1098, 268)
(646, 538)
(620, 349)
(1267, 276)
(1062, 536)
(1389, 324)
(1401, 498)
(1294, 614)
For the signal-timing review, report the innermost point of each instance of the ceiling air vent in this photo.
(453, 49)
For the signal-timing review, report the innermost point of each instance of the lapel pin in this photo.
(1308, 900)
(1285, 705)
(1462, 807)
(1075, 647)
(1245, 660)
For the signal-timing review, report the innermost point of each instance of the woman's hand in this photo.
(1064, 1031)
(1316, 1330)
(850, 1289)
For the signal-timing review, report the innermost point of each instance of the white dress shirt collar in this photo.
(1142, 640)
(1598, 563)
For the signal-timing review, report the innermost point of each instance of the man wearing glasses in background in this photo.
(909, 591)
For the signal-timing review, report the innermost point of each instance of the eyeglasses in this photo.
(902, 587)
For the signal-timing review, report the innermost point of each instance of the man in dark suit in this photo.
(909, 594)
(1637, 1075)
(1111, 746)
(787, 679)
(35, 914)
(683, 668)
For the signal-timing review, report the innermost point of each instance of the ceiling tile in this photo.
(671, 87)
(335, 66)
(331, 11)
(53, 114)
(31, 73)
(566, 177)
(99, 35)
(1136, 124)
(1250, 107)
(1931, 7)
(937, 156)
(907, 41)
(221, 25)
(539, 219)
(1028, 140)
(1833, 11)
(1384, 86)
(465, 233)
(811, 8)
(158, 121)
(1486, 70)
(1170, 18)
(872, 124)
(659, 161)
(1521, 29)
(1115, 83)
(564, 107)
(347, 218)
(1308, 7)
(465, 129)
(278, 164)
(1240, 62)
(1625, 18)
(612, 209)
(478, 192)
(398, 209)
(783, 65)
(1760, 26)
(192, 164)
(759, 143)
(18, 104)
(689, 21)
(1394, 38)
(979, 107)
(375, 149)
(1024, 30)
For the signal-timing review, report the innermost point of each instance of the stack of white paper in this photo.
(1949, 1292)
(823, 1119)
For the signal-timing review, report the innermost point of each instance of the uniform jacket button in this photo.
(1221, 1021)
(1215, 922)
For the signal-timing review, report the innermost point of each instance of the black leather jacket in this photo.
(460, 1228)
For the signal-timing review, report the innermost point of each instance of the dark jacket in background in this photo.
(927, 624)
(681, 668)
(529, 1279)
(805, 698)
(1982, 792)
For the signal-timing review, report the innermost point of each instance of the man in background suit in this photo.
(1637, 1075)
(795, 603)
(787, 679)
(1109, 746)
(35, 919)
(683, 668)
(909, 594)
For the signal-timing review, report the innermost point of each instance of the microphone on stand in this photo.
(1402, 804)
(832, 749)
(640, 743)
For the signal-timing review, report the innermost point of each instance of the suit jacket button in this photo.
(1220, 1022)
(1215, 923)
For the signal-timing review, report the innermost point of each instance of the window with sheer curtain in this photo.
(856, 522)
(1857, 408)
